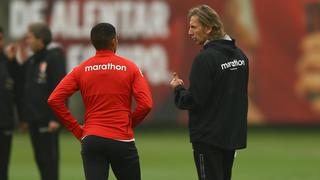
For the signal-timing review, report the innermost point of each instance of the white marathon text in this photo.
(233, 64)
(108, 66)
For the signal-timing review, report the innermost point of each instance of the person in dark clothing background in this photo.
(38, 76)
(217, 99)
(6, 110)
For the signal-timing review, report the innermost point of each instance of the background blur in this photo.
(281, 39)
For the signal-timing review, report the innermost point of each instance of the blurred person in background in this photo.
(287, 60)
(107, 83)
(308, 66)
(38, 76)
(6, 110)
(217, 99)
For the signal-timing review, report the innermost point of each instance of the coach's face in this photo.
(35, 44)
(198, 32)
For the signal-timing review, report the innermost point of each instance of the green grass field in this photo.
(167, 155)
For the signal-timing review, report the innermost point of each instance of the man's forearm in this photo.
(183, 98)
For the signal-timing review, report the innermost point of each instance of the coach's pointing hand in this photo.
(175, 81)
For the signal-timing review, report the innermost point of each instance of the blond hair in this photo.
(210, 18)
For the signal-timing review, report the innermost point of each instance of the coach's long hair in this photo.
(210, 18)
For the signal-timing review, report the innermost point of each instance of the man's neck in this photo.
(225, 37)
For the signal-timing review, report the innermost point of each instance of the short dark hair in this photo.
(41, 31)
(102, 35)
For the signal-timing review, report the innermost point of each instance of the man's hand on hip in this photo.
(53, 126)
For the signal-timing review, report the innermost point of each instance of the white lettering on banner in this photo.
(152, 60)
(65, 20)
(72, 20)
(22, 13)
(132, 19)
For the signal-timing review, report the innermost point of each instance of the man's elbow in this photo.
(52, 101)
(147, 106)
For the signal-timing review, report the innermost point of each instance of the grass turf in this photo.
(167, 155)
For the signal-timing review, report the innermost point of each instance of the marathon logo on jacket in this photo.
(104, 67)
(233, 65)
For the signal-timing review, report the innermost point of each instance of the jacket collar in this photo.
(220, 42)
(104, 52)
(40, 55)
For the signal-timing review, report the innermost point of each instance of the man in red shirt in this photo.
(107, 83)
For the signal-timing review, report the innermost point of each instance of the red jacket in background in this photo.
(107, 83)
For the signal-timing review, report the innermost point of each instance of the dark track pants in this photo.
(213, 163)
(5, 151)
(98, 153)
(46, 151)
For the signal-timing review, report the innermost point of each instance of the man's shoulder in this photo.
(125, 61)
(55, 54)
(208, 54)
(212, 50)
(54, 49)
(86, 62)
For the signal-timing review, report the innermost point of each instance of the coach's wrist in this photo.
(178, 88)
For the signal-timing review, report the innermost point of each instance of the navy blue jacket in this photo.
(6, 94)
(40, 75)
(217, 99)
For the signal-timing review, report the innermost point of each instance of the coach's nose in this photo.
(190, 32)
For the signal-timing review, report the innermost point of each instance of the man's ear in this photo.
(40, 43)
(114, 44)
(208, 29)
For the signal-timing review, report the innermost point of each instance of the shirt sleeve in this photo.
(142, 95)
(57, 102)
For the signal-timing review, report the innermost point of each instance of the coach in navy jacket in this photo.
(217, 100)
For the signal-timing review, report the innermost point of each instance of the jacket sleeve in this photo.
(56, 71)
(200, 86)
(57, 102)
(182, 98)
(18, 73)
(142, 96)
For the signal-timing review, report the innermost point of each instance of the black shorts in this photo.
(98, 153)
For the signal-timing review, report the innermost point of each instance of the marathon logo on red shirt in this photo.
(104, 67)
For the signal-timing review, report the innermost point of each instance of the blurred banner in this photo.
(281, 39)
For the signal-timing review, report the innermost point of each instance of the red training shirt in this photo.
(107, 83)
